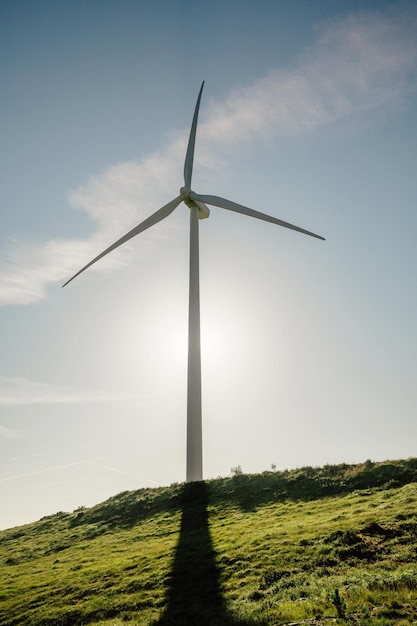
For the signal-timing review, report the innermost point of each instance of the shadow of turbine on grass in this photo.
(194, 596)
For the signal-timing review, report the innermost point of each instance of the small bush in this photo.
(339, 603)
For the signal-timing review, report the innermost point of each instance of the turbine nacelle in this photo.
(203, 210)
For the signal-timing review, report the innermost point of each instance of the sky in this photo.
(309, 347)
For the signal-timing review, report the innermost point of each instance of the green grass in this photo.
(317, 545)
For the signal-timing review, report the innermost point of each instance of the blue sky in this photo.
(309, 348)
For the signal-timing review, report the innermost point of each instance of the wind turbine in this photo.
(197, 204)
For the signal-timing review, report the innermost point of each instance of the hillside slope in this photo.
(301, 546)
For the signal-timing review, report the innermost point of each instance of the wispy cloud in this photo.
(8, 433)
(116, 470)
(87, 462)
(45, 470)
(116, 201)
(358, 66)
(363, 65)
(16, 391)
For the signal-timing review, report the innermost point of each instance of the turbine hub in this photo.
(185, 195)
(203, 210)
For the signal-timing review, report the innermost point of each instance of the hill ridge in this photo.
(249, 491)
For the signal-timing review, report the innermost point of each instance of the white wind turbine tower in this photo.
(198, 210)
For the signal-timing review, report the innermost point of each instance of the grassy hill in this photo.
(336, 544)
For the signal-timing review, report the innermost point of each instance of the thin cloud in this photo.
(89, 462)
(16, 391)
(115, 201)
(8, 433)
(357, 68)
(46, 470)
(119, 471)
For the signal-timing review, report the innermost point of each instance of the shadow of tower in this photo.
(194, 596)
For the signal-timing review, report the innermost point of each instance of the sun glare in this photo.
(214, 344)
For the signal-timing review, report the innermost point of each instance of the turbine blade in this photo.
(150, 221)
(189, 158)
(238, 208)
